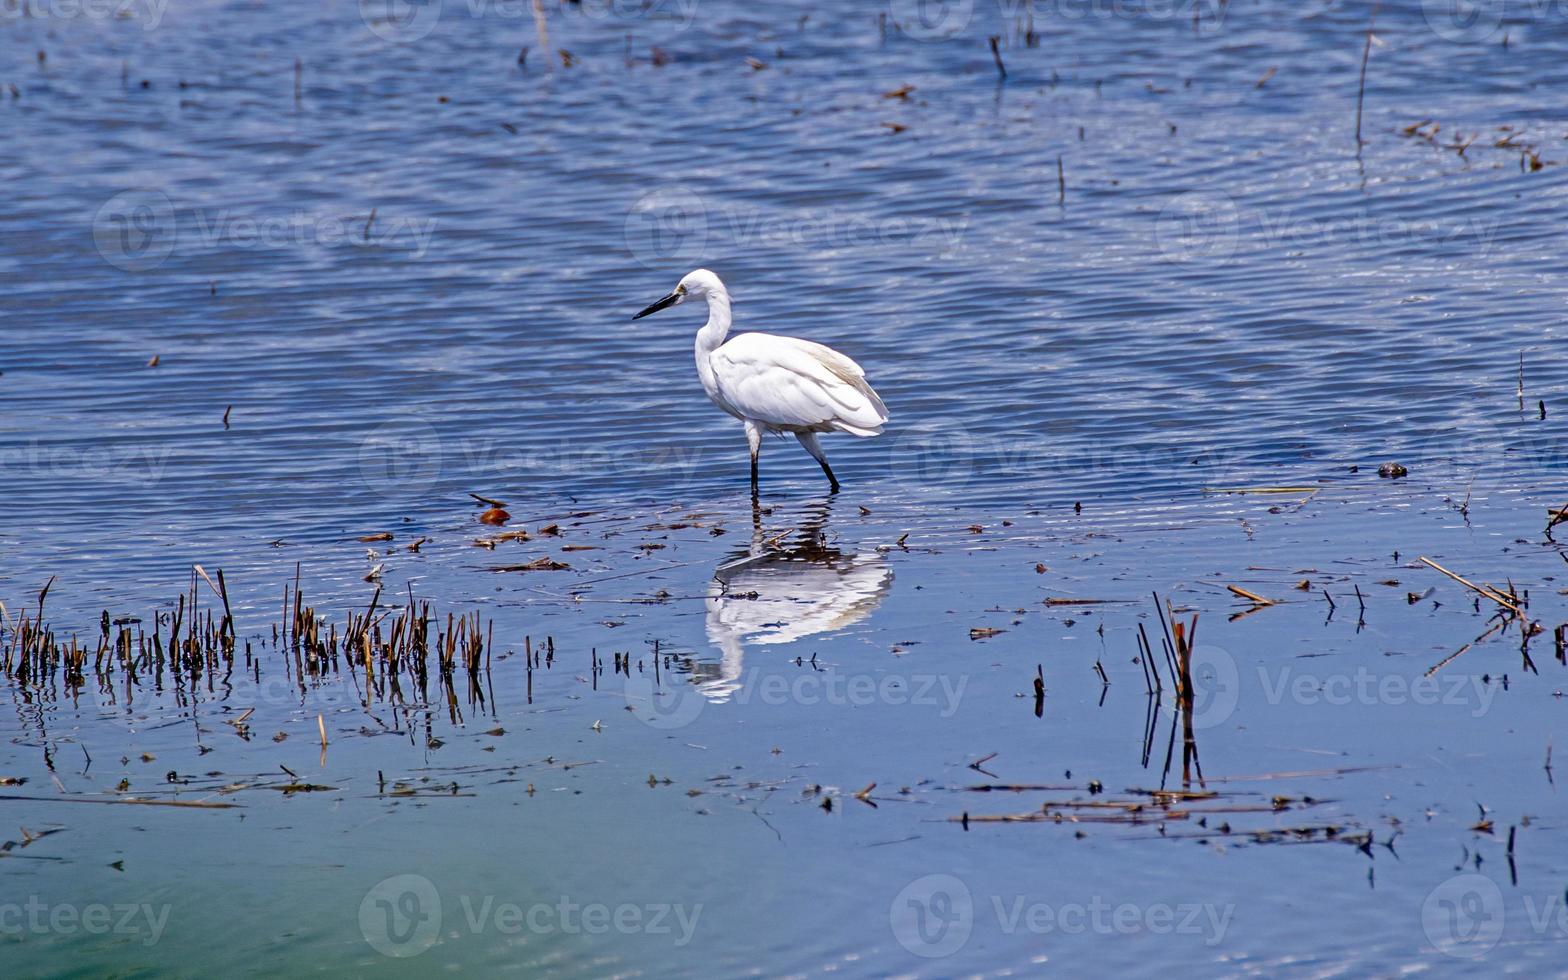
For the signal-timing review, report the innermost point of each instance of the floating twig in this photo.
(1361, 89)
(1486, 591)
(1252, 597)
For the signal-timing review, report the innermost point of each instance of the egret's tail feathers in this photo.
(854, 377)
(855, 430)
(873, 402)
(862, 411)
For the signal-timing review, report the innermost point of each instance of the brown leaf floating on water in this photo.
(494, 515)
(383, 536)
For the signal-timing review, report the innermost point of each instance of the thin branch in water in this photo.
(1361, 89)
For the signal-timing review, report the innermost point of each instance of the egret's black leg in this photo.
(808, 441)
(832, 480)
(754, 440)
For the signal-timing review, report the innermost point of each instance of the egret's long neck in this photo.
(718, 326)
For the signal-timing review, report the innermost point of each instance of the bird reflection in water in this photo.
(784, 588)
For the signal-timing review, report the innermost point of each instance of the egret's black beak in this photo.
(667, 301)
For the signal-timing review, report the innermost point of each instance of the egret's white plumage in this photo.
(773, 383)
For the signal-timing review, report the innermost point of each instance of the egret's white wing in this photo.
(795, 383)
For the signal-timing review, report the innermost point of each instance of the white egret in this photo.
(776, 384)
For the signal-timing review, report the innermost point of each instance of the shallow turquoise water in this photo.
(1224, 295)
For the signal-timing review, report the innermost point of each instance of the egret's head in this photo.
(695, 285)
